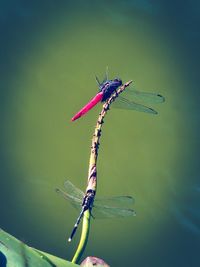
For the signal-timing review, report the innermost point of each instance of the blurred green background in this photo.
(50, 52)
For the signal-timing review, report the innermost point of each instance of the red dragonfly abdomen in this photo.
(89, 106)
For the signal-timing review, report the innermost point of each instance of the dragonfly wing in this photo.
(75, 202)
(148, 98)
(124, 103)
(119, 201)
(113, 207)
(72, 190)
(101, 212)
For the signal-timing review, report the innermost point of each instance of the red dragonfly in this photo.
(127, 101)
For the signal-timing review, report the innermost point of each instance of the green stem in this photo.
(84, 237)
(92, 172)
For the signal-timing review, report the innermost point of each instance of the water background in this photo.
(50, 52)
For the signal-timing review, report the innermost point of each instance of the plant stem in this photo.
(84, 237)
(92, 172)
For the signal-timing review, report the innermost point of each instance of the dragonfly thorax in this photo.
(108, 87)
(88, 199)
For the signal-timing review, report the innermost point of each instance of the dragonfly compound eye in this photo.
(118, 80)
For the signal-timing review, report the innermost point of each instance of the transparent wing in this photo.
(113, 207)
(102, 212)
(103, 207)
(118, 202)
(149, 98)
(75, 202)
(124, 103)
(73, 190)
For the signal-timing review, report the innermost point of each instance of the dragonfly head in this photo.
(117, 81)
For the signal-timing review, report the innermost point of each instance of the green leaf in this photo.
(14, 253)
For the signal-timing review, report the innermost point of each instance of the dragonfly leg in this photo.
(106, 108)
(116, 93)
(92, 214)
